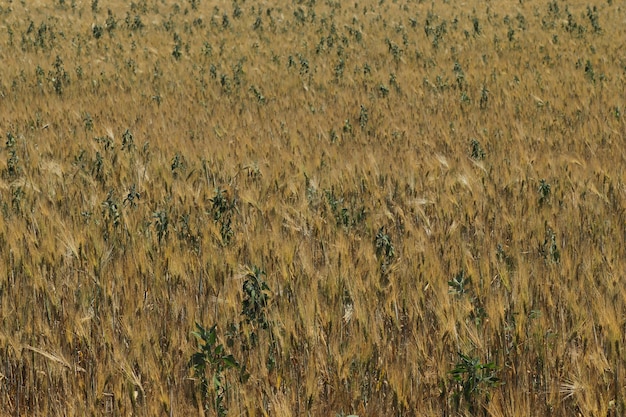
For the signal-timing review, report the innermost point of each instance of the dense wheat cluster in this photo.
(385, 208)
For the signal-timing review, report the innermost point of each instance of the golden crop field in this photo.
(312, 208)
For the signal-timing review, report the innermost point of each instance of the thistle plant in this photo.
(161, 224)
(97, 31)
(256, 295)
(132, 196)
(111, 22)
(472, 380)
(459, 283)
(549, 248)
(178, 46)
(477, 153)
(460, 76)
(384, 246)
(363, 117)
(209, 363)
(222, 210)
(545, 191)
(111, 214)
(13, 168)
(177, 164)
(484, 97)
(59, 77)
(592, 14)
(221, 204)
(257, 93)
(128, 140)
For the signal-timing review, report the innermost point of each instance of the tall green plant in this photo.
(256, 297)
(209, 364)
(472, 380)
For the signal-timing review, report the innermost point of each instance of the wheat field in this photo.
(385, 208)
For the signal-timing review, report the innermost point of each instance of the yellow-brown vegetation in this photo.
(418, 180)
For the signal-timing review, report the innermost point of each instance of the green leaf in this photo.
(216, 381)
(197, 361)
(212, 336)
(244, 376)
(230, 362)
